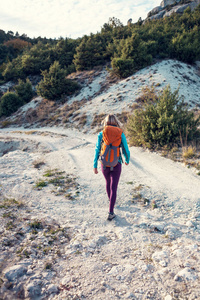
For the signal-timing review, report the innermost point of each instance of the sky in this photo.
(68, 18)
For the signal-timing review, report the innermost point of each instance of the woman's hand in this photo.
(95, 171)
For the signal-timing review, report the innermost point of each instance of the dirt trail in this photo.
(138, 255)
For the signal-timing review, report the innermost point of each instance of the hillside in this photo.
(101, 94)
(55, 240)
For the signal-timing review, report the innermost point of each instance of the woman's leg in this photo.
(106, 174)
(114, 180)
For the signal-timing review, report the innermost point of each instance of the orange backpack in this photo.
(110, 150)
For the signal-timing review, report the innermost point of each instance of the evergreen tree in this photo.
(10, 102)
(163, 122)
(24, 90)
(55, 84)
(64, 53)
(90, 52)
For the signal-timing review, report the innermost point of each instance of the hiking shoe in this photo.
(111, 216)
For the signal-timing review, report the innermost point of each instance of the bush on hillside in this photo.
(90, 52)
(55, 84)
(163, 122)
(132, 55)
(24, 90)
(122, 68)
(13, 70)
(32, 64)
(10, 102)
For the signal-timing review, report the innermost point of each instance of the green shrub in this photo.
(10, 102)
(123, 67)
(90, 52)
(24, 90)
(35, 61)
(13, 70)
(55, 84)
(163, 122)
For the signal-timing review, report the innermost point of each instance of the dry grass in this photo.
(135, 106)
(148, 95)
(123, 117)
(83, 77)
(189, 152)
(70, 112)
(41, 114)
(97, 120)
(5, 123)
(49, 113)
(96, 123)
(82, 120)
(189, 155)
(38, 163)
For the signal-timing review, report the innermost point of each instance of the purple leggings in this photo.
(112, 179)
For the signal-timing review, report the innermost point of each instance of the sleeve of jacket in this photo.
(125, 149)
(97, 149)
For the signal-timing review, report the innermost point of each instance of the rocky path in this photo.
(150, 251)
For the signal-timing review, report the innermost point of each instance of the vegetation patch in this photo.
(10, 102)
(36, 224)
(25, 235)
(97, 120)
(189, 155)
(55, 84)
(40, 184)
(10, 202)
(137, 196)
(164, 123)
(24, 90)
(148, 95)
(38, 163)
(189, 152)
(64, 184)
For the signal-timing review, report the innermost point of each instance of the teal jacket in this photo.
(125, 149)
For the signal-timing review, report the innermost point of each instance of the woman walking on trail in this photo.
(108, 149)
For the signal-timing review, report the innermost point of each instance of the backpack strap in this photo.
(120, 154)
(109, 151)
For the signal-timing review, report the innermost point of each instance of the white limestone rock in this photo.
(33, 289)
(15, 272)
(165, 3)
(154, 11)
(168, 297)
(187, 274)
(158, 15)
(177, 9)
(66, 280)
(52, 289)
(161, 257)
(190, 224)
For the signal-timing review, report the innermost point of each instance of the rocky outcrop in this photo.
(154, 11)
(168, 7)
(165, 3)
(179, 9)
(156, 16)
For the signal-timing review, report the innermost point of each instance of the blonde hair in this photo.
(111, 120)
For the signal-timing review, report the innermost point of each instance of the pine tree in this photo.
(163, 122)
(55, 84)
